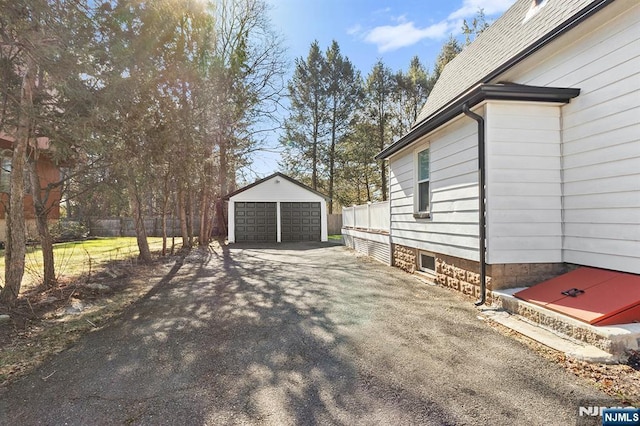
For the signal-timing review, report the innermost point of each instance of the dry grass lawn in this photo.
(97, 280)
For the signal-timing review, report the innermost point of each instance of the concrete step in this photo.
(581, 351)
(577, 339)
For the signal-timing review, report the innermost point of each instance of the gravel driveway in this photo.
(296, 334)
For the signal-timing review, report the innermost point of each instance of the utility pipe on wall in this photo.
(482, 213)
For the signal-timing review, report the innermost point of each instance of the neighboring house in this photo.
(48, 173)
(277, 209)
(552, 91)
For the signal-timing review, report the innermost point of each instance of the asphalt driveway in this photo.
(296, 334)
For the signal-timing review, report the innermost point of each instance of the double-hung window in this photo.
(423, 181)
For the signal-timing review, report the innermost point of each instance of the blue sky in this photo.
(368, 30)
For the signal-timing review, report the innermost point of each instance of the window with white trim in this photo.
(422, 190)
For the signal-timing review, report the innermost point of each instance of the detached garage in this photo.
(277, 209)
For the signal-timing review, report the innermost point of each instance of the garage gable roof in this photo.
(277, 174)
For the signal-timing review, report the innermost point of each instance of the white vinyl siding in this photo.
(453, 226)
(524, 218)
(600, 135)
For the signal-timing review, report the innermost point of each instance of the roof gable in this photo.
(507, 41)
(270, 177)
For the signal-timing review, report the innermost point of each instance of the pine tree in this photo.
(344, 96)
(306, 125)
(450, 50)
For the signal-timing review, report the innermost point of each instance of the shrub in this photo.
(67, 230)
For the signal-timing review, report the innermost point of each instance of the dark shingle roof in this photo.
(502, 43)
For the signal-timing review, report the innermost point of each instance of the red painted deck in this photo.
(600, 297)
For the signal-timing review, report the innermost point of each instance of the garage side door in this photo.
(255, 222)
(300, 221)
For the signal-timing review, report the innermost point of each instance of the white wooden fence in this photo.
(365, 228)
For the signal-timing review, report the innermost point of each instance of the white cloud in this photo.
(392, 37)
(405, 33)
(354, 30)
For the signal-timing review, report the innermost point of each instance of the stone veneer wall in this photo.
(460, 274)
(463, 274)
(405, 258)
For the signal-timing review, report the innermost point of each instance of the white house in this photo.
(546, 104)
(277, 209)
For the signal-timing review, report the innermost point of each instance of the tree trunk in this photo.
(138, 219)
(164, 233)
(383, 169)
(190, 210)
(203, 236)
(223, 180)
(165, 206)
(383, 175)
(16, 232)
(332, 159)
(182, 213)
(314, 158)
(46, 242)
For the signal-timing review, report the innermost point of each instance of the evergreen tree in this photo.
(380, 89)
(477, 26)
(450, 50)
(413, 88)
(344, 96)
(306, 126)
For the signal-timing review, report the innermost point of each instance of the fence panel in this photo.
(362, 216)
(334, 224)
(348, 220)
(379, 216)
(125, 227)
(372, 217)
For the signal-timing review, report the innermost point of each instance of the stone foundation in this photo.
(464, 275)
(460, 274)
(524, 274)
(405, 258)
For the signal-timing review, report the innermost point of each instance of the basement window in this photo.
(427, 263)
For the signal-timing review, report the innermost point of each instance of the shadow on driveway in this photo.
(294, 334)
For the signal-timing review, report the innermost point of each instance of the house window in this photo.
(427, 263)
(423, 182)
